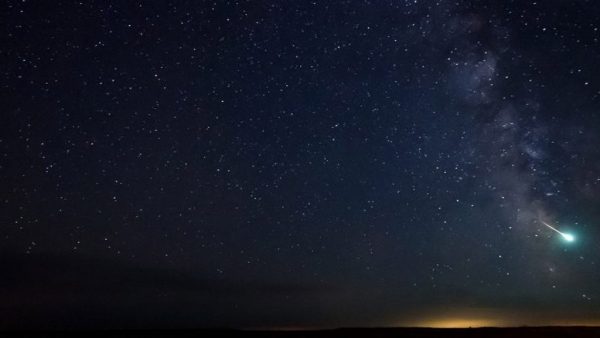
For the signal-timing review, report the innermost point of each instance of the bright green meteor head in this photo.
(568, 237)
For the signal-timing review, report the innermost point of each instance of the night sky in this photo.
(299, 164)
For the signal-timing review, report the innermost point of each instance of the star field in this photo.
(245, 164)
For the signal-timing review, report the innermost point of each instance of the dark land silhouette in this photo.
(533, 332)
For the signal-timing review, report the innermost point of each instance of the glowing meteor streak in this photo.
(567, 237)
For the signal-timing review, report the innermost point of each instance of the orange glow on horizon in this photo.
(451, 323)
(486, 317)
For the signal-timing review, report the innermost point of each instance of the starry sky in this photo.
(299, 164)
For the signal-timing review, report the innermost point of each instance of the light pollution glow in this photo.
(486, 317)
(456, 322)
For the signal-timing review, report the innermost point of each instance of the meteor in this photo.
(567, 237)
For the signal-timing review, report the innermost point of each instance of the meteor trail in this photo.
(567, 237)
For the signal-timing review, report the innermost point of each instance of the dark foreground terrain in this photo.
(546, 332)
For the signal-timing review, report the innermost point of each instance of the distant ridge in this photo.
(383, 332)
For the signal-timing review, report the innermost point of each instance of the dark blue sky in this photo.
(275, 164)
